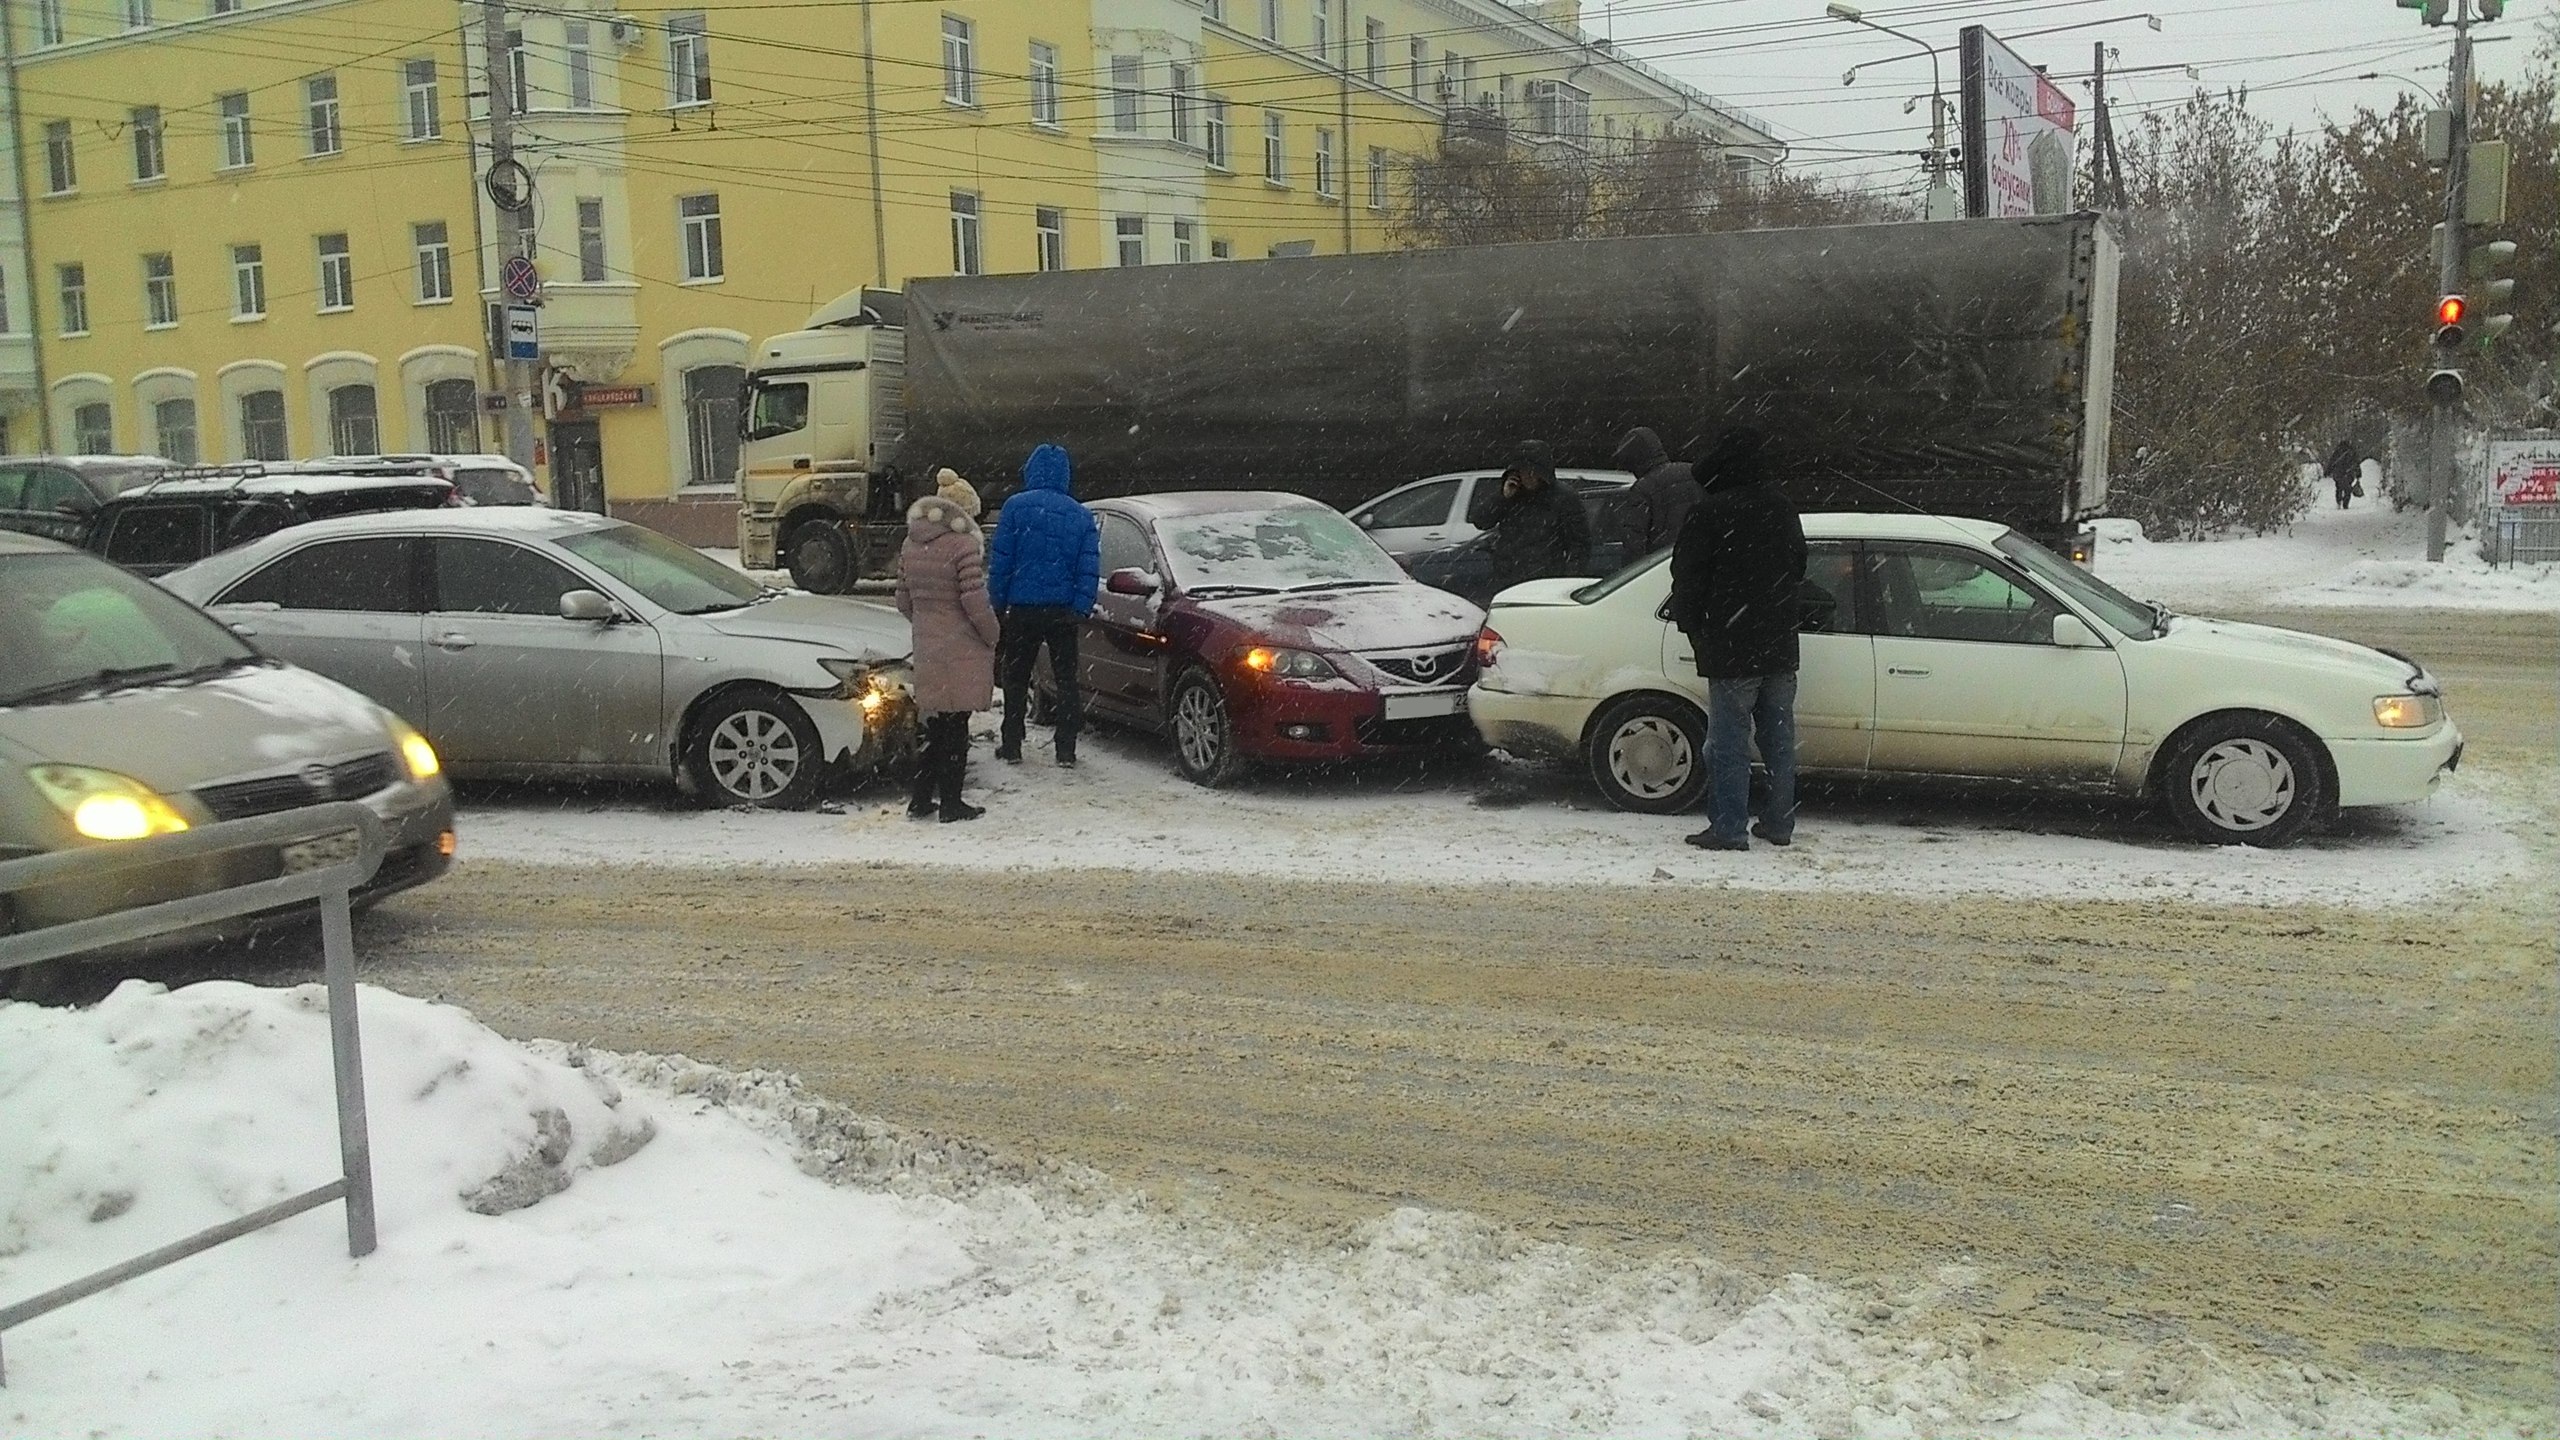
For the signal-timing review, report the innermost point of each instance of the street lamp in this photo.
(1942, 197)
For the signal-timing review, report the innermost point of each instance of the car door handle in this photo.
(1688, 659)
(454, 640)
(239, 629)
(1904, 670)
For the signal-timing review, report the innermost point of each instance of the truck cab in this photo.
(825, 409)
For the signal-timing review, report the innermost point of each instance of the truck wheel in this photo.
(1648, 754)
(755, 747)
(2245, 779)
(820, 558)
(1204, 742)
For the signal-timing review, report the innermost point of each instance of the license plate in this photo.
(323, 852)
(1416, 707)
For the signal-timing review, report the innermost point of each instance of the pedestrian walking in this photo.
(942, 590)
(1737, 574)
(1537, 528)
(1652, 511)
(1042, 574)
(2345, 470)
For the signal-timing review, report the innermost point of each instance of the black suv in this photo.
(55, 496)
(160, 526)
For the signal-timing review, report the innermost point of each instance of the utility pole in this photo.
(2106, 170)
(2445, 426)
(517, 374)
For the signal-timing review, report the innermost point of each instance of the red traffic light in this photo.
(2451, 309)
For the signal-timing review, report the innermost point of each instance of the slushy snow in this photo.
(770, 1264)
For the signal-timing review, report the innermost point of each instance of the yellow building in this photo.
(257, 230)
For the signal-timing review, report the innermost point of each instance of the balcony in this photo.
(1474, 130)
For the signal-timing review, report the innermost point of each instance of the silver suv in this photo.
(127, 713)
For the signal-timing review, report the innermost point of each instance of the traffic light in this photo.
(2496, 291)
(2488, 9)
(2433, 12)
(2450, 313)
(2445, 386)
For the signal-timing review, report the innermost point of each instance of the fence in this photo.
(331, 884)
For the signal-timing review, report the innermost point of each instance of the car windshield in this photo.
(669, 574)
(1602, 589)
(2128, 617)
(1295, 547)
(72, 624)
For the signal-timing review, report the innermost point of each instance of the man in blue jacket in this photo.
(1042, 574)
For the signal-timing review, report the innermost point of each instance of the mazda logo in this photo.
(1425, 666)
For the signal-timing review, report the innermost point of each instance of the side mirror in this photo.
(1130, 582)
(586, 605)
(75, 509)
(2073, 633)
(1366, 519)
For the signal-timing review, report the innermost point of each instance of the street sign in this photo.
(614, 397)
(2018, 132)
(520, 280)
(494, 401)
(524, 333)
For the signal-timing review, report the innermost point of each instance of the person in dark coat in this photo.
(1042, 574)
(1538, 528)
(1736, 574)
(1653, 509)
(2344, 469)
(942, 590)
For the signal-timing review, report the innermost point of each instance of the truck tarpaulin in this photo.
(1946, 367)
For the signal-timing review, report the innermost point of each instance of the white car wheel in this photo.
(2243, 785)
(1648, 754)
(2245, 779)
(752, 748)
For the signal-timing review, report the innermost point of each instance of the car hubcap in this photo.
(754, 756)
(817, 560)
(1651, 758)
(1196, 728)
(2242, 784)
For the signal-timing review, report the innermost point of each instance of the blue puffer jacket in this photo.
(1047, 550)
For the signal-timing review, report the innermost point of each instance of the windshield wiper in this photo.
(1212, 591)
(113, 677)
(1340, 585)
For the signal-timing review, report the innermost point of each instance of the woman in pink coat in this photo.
(942, 590)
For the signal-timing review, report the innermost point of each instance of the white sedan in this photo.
(1937, 646)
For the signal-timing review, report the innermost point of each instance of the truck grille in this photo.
(311, 785)
(1424, 667)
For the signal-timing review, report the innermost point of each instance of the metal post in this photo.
(26, 226)
(346, 1055)
(517, 374)
(2444, 426)
(871, 124)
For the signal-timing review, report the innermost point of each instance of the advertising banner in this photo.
(2524, 472)
(2019, 145)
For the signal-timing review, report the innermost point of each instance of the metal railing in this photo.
(331, 884)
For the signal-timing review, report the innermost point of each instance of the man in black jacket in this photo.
(1652, 510)
(1736, 574)
(1538, 527)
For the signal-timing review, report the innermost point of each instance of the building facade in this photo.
(245, 230)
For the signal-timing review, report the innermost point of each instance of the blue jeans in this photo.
(1735, 709)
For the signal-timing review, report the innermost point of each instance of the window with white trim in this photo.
(262, 432)
(1185, 105)
(61, 159)
(418, 99)
(1560, 110)
(354, 426)
(1045, 109)
(1213, 136)
(698, 216)
(591, 265)
(1222, 249)
(578, 42)
(73, 283)
(1127, 84)
(435, 260)
(959, 61)
(49, 22)
(1417, 56)
(1130, 231)
(688, 59)
(1049, 237)
(238, 153)
(248, 282)
(519, 93)
(137, 14)
(1320, 31)
(1186, 241)
(93, 429)
(173, 426)
(159, 291)
(337, 273)
(1324, 163)
(968, 255)
(1377, 179)
(1275, 155)
(320, 107)
(150, 143)
(1373, 59)
(1271, 19)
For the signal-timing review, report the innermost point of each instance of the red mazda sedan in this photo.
(1252, 626)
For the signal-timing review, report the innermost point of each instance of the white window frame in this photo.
(1183, 105)
(1186, 241)
(239, 143)
(1271, 20)
(706, 259)
(1049, 237)
(959, 61)
(1129, 240)
(321, 133)
(49, 31)
(159, 291)
(1417, 52)
(419, 99)
(71, 283)
(1374, 59)
(688, 59)
(137, 15)
(1324, 164)
(1222, 249)
(435, 261)
(968, 233)
(61, 158)
(337, 273)
(1377, 178)
(162, 431)
(1320, 31)
(1046, 112)
(1217, 140)
(248, 282)
(594, 262)
(150, 144)
(577, 39)
(1128, 95)
(1275, 150)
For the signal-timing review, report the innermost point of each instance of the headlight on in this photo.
(2408, 712)
(103, 805)
(419, 756)
(1287, 664)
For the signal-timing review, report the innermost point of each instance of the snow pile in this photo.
(2367, 555)
(712, 1282)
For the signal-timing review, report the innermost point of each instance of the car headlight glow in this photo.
(2407, 712)
(1287, 664)
(103, 805)
(418, 755)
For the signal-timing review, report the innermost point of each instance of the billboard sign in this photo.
(2019, 145)
(2525, 472)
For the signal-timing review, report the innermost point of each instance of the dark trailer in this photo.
(1960, 367)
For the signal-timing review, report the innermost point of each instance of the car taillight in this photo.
(1488, 645)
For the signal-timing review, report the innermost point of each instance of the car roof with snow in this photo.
(197, 487)
(1860, 525)
(13, 542)
(1178, 503)
(531, 522)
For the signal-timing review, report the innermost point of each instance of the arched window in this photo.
(353, 427)
(173, 423)
(453, 417)
(262, 434)
(93, 428)
(711, 399)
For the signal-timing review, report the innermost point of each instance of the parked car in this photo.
(1441, 511)
(55, 495)
(537, 642)
(164, 524)
(1963, 648)
(126, 713)
(478, 479)
(1255, 626)
(1465, 566)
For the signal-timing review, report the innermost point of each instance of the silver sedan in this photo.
(528, 643)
